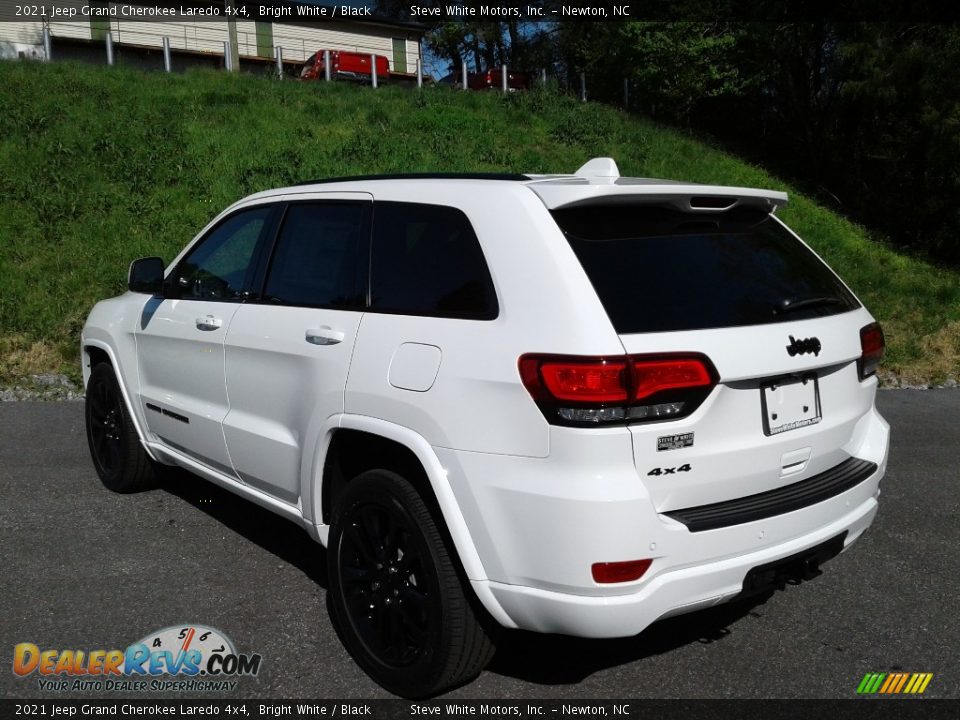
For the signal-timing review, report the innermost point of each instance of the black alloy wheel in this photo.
(389, 592)
(118, 456)
(395, 597)
(104, 425)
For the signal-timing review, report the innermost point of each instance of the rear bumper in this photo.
(669, 593)
(538, 525)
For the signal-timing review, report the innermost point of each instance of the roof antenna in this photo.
(603, 167)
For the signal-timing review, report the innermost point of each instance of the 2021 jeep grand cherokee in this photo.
(571, 404)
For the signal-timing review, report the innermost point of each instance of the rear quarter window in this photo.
(426, 260)
(656, 269)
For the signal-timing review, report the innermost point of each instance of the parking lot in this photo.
(84, 568)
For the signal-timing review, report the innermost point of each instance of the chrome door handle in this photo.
(209, 322)
(323, 336)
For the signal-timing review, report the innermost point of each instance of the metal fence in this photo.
(229, 64)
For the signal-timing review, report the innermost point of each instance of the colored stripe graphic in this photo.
(894, 683)
(890, 680)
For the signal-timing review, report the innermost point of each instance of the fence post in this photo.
(463, 75)
(279, 52)
(626, 94)
(109, 43)
(419, 73)
(503, 79)
(326, 65)
(167, 63)
(583, 87)
(226, 55)
(47, 45)
(373, 70)
(543, 76)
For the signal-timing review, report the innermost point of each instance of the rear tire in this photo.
(395, 598)
(118, 456)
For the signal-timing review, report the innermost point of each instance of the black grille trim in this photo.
(818, 488)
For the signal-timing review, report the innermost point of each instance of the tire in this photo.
(395, 598)
(118, 456)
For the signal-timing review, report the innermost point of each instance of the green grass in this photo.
(99, 166)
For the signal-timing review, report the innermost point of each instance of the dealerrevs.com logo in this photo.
(180, 658)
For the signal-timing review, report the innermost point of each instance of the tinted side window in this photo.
(220, 266)
(316, 260)
(427, 261)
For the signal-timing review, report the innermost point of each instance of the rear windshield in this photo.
(657, 269)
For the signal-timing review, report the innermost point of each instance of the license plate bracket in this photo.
(790, 403)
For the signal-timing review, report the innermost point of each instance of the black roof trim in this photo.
(514, 177)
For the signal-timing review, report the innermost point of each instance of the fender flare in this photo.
(436, 475)
(118, 371)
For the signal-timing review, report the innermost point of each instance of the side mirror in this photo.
(146, 276)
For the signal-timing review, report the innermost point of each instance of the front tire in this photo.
(118, 456)
(395, 598)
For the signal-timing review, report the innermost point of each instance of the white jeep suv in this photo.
(570, 404)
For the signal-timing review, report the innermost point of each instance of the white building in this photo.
(201, 41)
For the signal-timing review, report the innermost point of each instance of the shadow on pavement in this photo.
(281, 537)
(533, 657)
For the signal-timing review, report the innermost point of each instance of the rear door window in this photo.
(656, 269)
(426, 260)
(316, 261)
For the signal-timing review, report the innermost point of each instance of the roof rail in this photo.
(419, 176)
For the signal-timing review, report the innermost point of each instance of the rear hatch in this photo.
(718, 276)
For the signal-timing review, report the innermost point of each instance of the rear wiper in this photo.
(791, 304)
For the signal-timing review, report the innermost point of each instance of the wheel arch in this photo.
(360, 443)
(409, 447)
(96, 351)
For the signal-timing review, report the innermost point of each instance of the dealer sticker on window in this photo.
(674, 442)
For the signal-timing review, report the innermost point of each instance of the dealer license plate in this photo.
(790, 404)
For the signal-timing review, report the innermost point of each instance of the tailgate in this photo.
(762, 427)
(780, 328)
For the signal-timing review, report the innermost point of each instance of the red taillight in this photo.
(603, 381)
(653, 376)
(872, 346)
(618, 572)
(587, 391)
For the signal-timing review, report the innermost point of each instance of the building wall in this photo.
(24, 33)
(206, 36)
(298, 41)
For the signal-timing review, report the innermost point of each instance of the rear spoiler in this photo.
(598, 182)
(687, 197)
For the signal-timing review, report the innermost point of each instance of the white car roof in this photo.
(596, 182)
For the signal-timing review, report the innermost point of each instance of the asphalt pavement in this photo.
(84, 568)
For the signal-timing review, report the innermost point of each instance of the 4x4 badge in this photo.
(799, 347)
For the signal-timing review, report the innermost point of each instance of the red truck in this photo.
(493, 78)
(344, 65)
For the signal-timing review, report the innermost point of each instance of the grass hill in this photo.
(102, 165)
